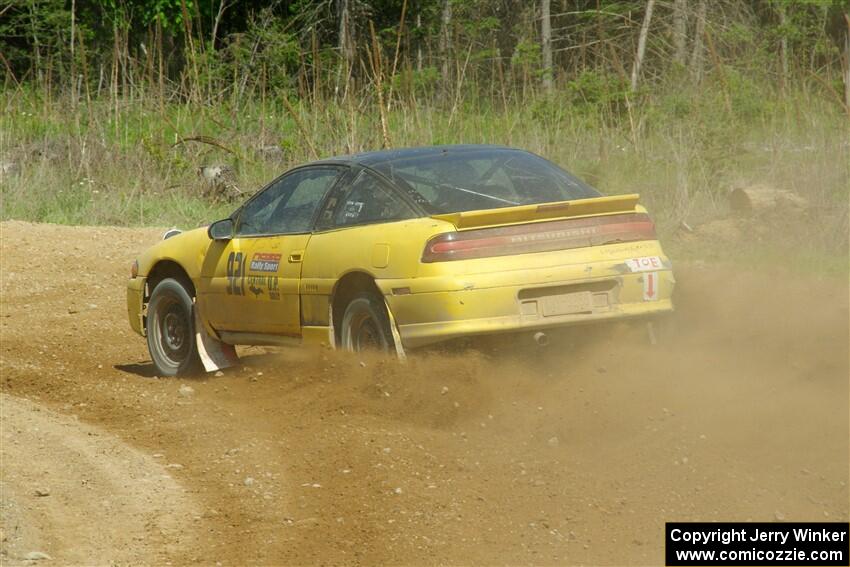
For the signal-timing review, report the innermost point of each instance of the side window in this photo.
(368, 200)
(288, 205)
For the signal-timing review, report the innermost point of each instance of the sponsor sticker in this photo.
(352, 209)
(265, 262)
(645, 264)
(260, 285)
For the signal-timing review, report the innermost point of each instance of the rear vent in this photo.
(604, 286)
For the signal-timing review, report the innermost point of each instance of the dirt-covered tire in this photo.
(170, 330)
(366, 325)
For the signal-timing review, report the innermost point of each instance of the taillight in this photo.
(134, 270)
(539, 237)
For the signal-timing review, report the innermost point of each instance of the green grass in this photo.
(683, 150)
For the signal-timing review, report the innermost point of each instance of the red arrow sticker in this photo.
(650, 286)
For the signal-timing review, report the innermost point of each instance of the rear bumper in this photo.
(135, 303)
(427, 318)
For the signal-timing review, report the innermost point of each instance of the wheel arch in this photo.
(345, 289)
(164, 269)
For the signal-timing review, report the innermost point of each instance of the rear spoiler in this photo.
(616, 204)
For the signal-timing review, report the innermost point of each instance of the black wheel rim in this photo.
(366, 335)
(172, 331)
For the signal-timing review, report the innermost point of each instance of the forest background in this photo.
(165, 112)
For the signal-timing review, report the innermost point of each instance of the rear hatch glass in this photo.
(469, 180)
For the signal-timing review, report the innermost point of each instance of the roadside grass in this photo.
(132, 163)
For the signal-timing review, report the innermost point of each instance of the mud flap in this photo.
(652, 335)
(214, 354)
(399, 348)
(331, 330)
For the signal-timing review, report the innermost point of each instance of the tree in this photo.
(346, 49)
(783, 43)
(846, 62)
(641, 50)
(680, 30)
(697, 52)
(446, 40)
(546, 36)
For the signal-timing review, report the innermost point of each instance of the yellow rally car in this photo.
(398, 249)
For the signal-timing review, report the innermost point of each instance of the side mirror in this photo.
(221, 230)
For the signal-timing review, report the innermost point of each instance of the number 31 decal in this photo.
(236, 274)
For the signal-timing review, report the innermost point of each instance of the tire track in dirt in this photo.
(82, 496)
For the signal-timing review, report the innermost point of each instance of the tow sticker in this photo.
(265, 262)
(650, 286)
(645, 264)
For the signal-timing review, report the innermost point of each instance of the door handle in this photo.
(295, 257)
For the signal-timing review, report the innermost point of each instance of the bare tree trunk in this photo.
(376, 63)
(160, 66)
(446, 40)
(222, 7)
(680, 30)
(73, 25)
(419, 42)
(783, 46)
(73, 59)
(847, 64)
(345, 43)
(697, 53)
(546, 36)
(641, 50)
(36, 46)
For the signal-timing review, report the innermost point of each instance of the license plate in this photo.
(566, 304)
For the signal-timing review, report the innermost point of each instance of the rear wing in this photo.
(616, 204)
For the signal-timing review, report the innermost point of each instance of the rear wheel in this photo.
(171, 330)
(366, 325)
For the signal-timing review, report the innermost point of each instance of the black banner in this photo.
(757, 543)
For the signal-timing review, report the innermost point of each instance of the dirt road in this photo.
(64, 482)
(503, 455)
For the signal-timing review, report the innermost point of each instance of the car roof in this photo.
(383, 156)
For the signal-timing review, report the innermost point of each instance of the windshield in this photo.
(451, 182)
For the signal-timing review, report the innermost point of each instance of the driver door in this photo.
(254, 278)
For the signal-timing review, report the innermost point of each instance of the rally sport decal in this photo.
(265, 262)
(257, 285)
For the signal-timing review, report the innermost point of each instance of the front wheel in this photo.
(171, 330)
(366, 325)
